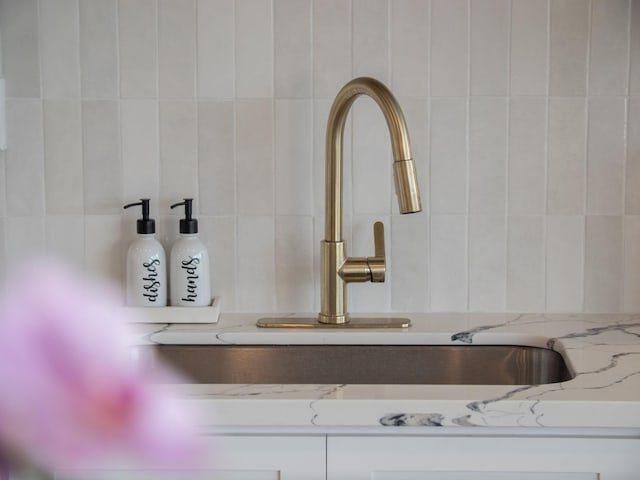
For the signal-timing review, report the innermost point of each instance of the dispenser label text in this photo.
(151, 283)
(190, 268)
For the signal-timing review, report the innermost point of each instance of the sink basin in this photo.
(365, 364)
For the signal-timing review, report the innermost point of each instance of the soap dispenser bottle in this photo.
(146, 275)
(189, 264)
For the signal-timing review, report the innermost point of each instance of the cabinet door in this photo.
(477, 458)
(236, 458)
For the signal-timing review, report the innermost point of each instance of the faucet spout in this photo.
(405, 179)
(338, 269)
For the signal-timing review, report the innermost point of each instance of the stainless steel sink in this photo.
(365, 364)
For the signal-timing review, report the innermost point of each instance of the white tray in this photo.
(209, 314)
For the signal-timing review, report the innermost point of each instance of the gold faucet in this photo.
(337, 269)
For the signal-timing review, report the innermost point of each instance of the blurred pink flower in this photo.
(70, 396)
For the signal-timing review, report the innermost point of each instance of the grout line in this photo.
(545, 230)
(507, 169)
(468, 161)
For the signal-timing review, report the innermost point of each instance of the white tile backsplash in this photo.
(215, 40)
(608, 63)
(566, 157)
(529, 56)
(140, 150)
(138, 48)
(102, 164)
(565, 242)
(527, 156)
(98, 49)
(604, 256)
(448, 268)
(569, 47)
(63, 157)
(490, 46)
(25, 158)
(524, 120)
(59, 48)
(292, 46)
(449, 47)
(526, 263)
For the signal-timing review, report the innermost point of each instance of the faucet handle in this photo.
(377, 263)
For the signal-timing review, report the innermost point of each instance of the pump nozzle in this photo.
(188, 224)
(144, 225)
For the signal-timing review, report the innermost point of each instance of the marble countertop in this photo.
(602, 350)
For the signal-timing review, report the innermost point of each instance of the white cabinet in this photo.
(238, 458)
(482, 458)
(398, 457)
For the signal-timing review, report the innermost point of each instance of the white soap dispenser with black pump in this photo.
(146, 282)
(190, 284)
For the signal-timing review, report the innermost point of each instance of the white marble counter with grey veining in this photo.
(602, 350)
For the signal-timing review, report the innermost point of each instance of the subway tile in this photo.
(65, 238)
(25, 158)
(608, 65)
(634, 80)
(293, 163)
(64, 172)
(565, 243)
(368, 297)
(98, 49)
(529, 62)
(25, 240)
(416, 114)
(606, 156)
(448, 284)
(140, 151)
(631, 280)
(566, 164)
(449, 47)
(526, 264)
(489, 46)
(177, 48)
(219, 236)
(294, 263)
(569, 40)
(254, 157)
(331, 46)
(372, 160)
(371, 39)
(104, 249)
(216, 30)
(102, 165)
(527, 141)
(603, 287)
(410, 47)
(216, 161)
(408, 262)
(138, 53)
(60, 48)
(448, 189)
(487, 155)
(256, 290)
(20, 59)
(487, 264)
(178, 151)
(292, 39)
(254, 48)
(632, 171)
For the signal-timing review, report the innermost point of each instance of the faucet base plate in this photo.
(354, 322)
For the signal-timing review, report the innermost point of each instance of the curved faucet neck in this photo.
(400, 145)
